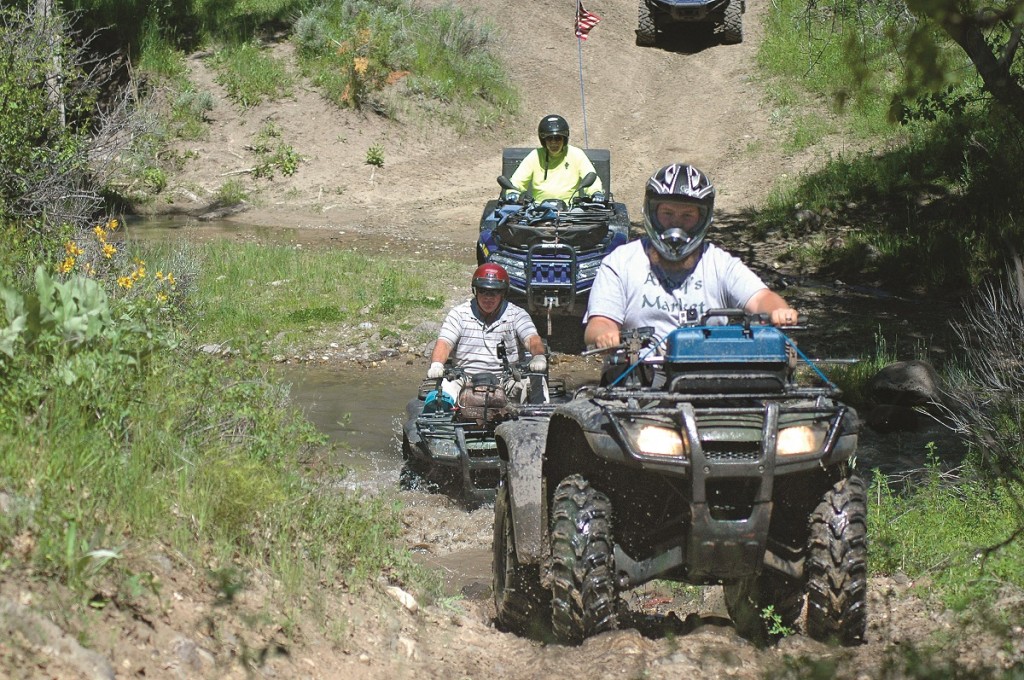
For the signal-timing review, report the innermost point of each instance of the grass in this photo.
(104, 454)
(277, 299)
(953, 533)
(251, 75)
(390, 55)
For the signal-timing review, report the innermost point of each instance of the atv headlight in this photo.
(800, 439)
(655, 440)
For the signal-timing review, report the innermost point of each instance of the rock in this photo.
(403, 598)
(907, 383)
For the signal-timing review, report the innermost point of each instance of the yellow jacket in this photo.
(555, 176)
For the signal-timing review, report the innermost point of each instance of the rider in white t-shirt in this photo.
(659, 279)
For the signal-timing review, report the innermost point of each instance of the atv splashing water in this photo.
(703, 462)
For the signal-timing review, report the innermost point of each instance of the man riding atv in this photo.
(475, 329)
(673, 274)
(556, 168)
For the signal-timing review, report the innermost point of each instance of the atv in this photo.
(654, 16)
(552, 249)
(707, 464)
(448, 443)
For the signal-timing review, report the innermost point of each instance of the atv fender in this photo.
(521, 445)
(412, 411)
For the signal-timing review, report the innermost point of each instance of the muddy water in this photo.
(362, 411)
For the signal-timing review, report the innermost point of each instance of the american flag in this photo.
(584, 21)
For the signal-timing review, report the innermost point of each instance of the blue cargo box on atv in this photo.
(718, 358)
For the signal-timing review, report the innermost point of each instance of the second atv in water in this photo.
(705, 464)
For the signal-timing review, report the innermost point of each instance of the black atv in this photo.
(705, 463)
(448, 444)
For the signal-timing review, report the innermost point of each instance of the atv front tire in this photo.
(582, 562)
(837, 565)
(646, 33)
(748, 600)
(522, 604)
(732, 23)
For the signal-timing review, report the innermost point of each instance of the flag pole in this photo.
(583, 96)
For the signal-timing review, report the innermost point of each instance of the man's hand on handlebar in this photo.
(785, 316)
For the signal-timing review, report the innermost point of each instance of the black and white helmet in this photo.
(678, 183)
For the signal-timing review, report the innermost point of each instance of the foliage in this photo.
(42, 128)
(245, 287)
(986, 386)
(356, 49)
(931, 206)
(250, 75)
(272, 153)
(375, 155)
(952, 528)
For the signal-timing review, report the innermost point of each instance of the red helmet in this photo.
(490, 276)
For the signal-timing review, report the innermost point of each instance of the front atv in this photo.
(706, 465)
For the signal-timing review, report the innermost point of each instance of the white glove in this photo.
(538, 364)
(436, 370)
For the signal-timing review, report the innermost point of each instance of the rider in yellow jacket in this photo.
(555, 169)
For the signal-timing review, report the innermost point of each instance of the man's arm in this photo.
(521, 177)
(586, 166)
(602, 332)
(766, 301)
(535, 344)
(441, 351)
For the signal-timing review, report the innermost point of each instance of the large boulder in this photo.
(900, 391)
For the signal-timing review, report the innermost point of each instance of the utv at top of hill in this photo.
(655, 17)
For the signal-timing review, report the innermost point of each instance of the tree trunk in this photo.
(995, 73)
(45, 15)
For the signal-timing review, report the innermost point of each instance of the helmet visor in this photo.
(490, 283)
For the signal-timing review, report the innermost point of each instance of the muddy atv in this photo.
(705, 464)
(725, 17)
(552, 249)
(448, 444)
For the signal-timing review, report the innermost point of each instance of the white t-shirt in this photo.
(476, 343)
(627, 291)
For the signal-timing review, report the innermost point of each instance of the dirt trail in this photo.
(649, 106)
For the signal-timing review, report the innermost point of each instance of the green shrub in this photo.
(250, 75)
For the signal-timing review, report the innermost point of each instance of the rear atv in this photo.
(706, 465)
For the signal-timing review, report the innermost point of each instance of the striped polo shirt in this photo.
(476, 343)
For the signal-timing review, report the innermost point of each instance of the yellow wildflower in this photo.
(170, 279)
(108, 250)
(100, 232)
(162, 297)
(125, 282)
(159, 276)
(72, 249)
(67, 265)
(112, 224)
